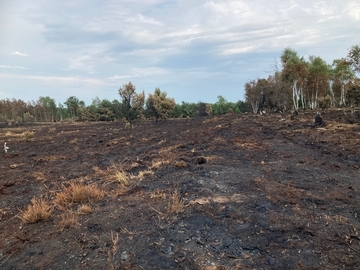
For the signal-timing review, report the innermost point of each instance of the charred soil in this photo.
(225, 192)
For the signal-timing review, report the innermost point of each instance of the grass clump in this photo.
(28, 135)
(78, 193)
(121, 177)
(68, 219)
(176, 204)
(38, 210)
(84, 209)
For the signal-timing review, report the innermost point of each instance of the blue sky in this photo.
(194, 50)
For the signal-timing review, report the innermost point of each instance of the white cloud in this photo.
(353, 10)
(88, 58)
(141, 72)
(16, 53)
(56, 79)
(12, 67)
(139, 18)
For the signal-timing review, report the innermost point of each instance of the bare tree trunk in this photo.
(332, 103)
(255, 106)
(316, 94)
(342, 96)
(295, 96)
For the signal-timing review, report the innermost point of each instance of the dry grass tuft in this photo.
(28, 135)
(14, 166)
(111, 253)
(84, 209)
(39, 176)
(38, 210)
(158, 195)
(68, 220)
(143, 174)
(166, 157)
(78, 193)
(181, 164)
(156, 164)
(121, 177)
(52, 130)
(213, 120)
(176, 204)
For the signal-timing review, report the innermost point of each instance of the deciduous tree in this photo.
(159, 105)
(344, 74)
(317, 80)
(132, 103)
(354, 58)
(294, 71)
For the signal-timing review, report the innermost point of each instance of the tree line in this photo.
(296, 83)
(307, 83)
(130, 106)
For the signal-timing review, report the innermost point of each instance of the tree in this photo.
(221, 106)
(204, 109)
(48, 106)
(353, 58)
(343, 73)
(318, 78)
(186, 109)
(353, 93)
(294, 71)
(73, 105)
(132, 103)
(255, 93)
(159, 105)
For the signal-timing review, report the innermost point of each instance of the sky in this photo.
(195, 50)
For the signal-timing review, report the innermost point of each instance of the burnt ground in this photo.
(257, 192)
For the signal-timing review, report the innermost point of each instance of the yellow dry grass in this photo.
(246, 144)
(78, 193)
(181, 164)
(68, 219)
(38, 210)
(158, 195)
(176, 204)
(84, 209)
(28, 135)
(14, 166)
(121, 177)
(143, 174)
(213, 120)
(39, 176)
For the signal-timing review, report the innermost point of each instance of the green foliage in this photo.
(159, 105)
(344, 74)
(132, 103)
(73, 105)
(353, 58)
(49, 108)
(188, 109)
(28, 117)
